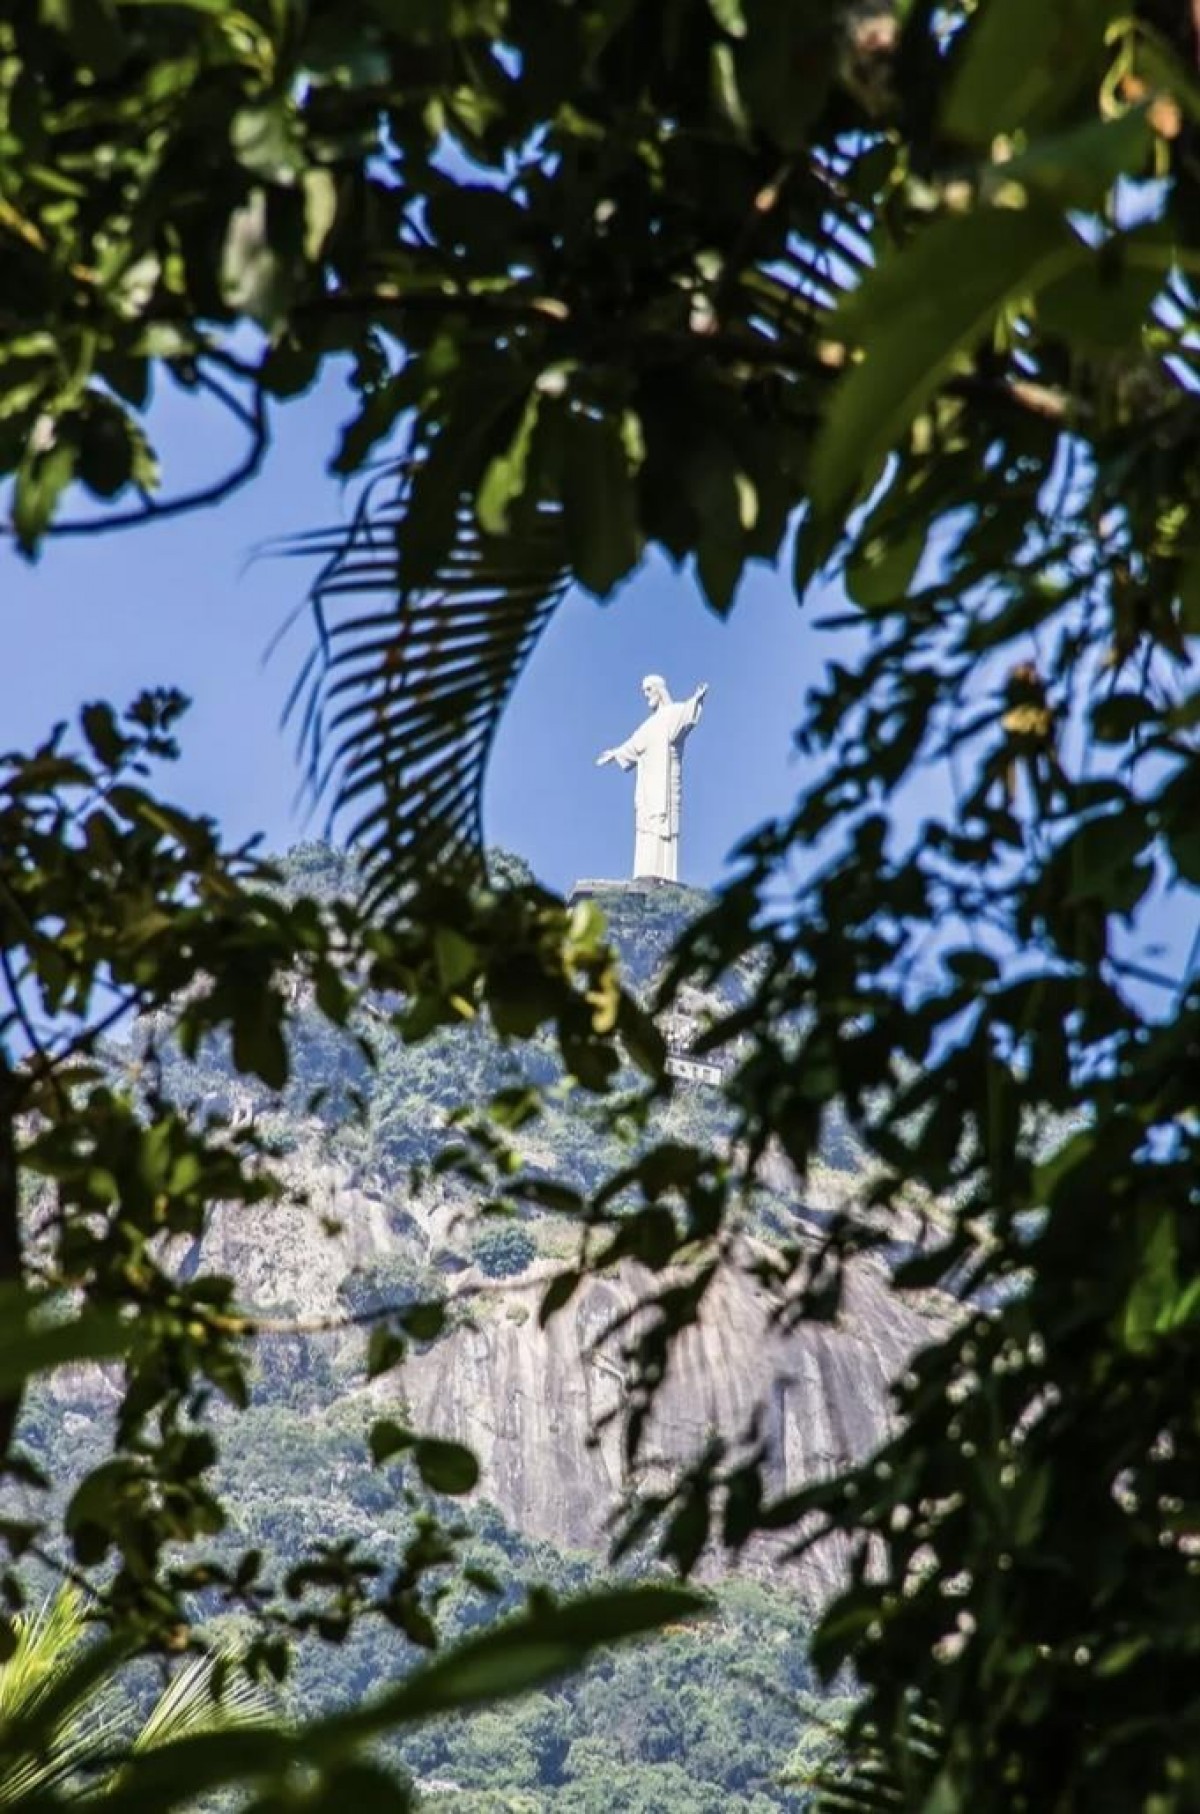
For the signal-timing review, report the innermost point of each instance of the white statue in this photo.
(656, 750)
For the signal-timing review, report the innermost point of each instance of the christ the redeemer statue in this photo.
(656, 751)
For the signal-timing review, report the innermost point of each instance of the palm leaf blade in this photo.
(398, 704)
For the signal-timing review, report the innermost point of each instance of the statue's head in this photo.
(655, 689)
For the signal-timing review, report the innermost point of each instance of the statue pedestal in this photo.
(591, 885)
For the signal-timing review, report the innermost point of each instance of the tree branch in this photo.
(11, 1272)
(23, 1021)
(253, 418)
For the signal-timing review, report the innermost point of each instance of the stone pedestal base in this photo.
(599, 885)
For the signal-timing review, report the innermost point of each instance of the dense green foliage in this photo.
(917, 283)
(701, 1721)
(504, 1251)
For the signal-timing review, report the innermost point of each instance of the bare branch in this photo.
(253, 418)
(23, 1020)
(11, 1259)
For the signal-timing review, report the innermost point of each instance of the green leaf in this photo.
(1185, 853)
(1155, 1289)
(590, 1060)
(106, 444)
(520, 995)
(914, 315)
(588, 928)
(972, 966)
(457, 957)
(1101, 860)
(641, 1038)
(1119, 1656)
(721, 543)
(388, 1438)
(843, 1627)
(93, 29)
(446, 1467)
(548, 1193)
(99, 723)
(603, 538)
(320, 210)
(39, 484)
(687, 1533)
(784, 67)
(729, 16)
(31, 1343)
(1179, 816)
(265, 141)
(1189, 597)
(726, 94)
(424, 1322)
(1022, 62)
(1105, 303)
(381, 409)
(1077, 169)
(258, 1042)
(881, 567)
(1117, 718)
(559, 1292)
(385, 1350)
(96, 1508)
(258, 257)
(504, 480)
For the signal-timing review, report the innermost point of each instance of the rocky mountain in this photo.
(536, 1405)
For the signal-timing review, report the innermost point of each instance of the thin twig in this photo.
(84, 1041)
(255, 419)
(23, 1020)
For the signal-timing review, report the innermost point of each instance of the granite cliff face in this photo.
(528, 1401)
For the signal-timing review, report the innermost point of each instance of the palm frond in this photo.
(64, 1730)
(44, 1641)
(191, 1703)
(54, 1719)
(399, 701)
(848, 1769)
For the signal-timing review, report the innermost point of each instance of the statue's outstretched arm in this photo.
(688, 710)
(625, 755)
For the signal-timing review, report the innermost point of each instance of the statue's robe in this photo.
(656, 751)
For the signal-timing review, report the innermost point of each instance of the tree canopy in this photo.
(904, 294)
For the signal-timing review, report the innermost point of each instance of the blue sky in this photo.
(186, 604)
